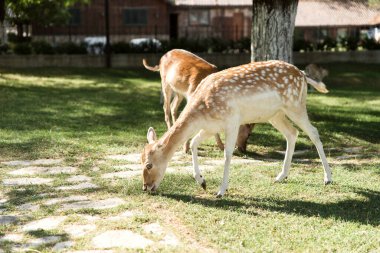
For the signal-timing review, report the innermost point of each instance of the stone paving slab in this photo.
(156, 229)
(124, 215)
(78, 178)
(132, 158)
(76, 231)
(3, 201)
(41, 241)
(33, 162)
(28, 207)
(189, 168)
(91, 251)
(66, 199)
(93, 204)
(62, 246)
(170, 240)
(33, 170)
(45, 224)
(81, 186)
(27, 181)
(128, 167)
(296, 152)
(121, 174)
(8, 219)
(15, 238)
(153, 228)
(120, 238)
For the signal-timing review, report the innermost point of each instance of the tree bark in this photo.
(272, 29)
(272, 32)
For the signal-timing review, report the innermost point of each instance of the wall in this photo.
(135, 60)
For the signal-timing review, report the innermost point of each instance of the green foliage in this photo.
(4, 48)
(121, 48)
(301, 44)
(350, 43)
(370, 44)
(44, 12)
(23, 48)
(71, 48)
(42, 47)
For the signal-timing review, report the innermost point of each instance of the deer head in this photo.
(154, 166)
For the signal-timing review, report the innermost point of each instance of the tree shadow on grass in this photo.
(365, 210)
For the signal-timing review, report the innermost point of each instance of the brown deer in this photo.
(181, 72)
(272, 91)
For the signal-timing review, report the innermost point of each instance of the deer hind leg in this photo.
(232, 131)
(301, 119)
(167, 92)
(219, 142)
(195, 142)
(282, 124)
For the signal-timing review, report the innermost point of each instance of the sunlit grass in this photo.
(82, 115)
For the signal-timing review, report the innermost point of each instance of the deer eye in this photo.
(148, 166)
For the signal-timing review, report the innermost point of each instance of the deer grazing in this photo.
(271, 91)
(181, 72)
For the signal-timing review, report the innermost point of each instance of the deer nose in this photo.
(145, 187)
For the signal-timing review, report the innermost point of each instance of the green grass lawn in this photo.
(83, 115)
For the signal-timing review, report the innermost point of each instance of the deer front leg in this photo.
(231, 134)
(194, 150)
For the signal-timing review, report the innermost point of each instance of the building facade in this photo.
(227, 19)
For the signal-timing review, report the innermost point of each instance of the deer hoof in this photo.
(203, 184)
(328, 182)
(280, 179)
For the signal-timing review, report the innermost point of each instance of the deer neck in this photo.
(181, 131)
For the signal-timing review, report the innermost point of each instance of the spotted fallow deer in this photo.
(272, 91)
(181, 72)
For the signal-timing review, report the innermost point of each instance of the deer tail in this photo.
(155, 68)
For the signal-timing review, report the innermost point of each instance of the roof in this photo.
(311, 12)
(334, 13)
(212, 2)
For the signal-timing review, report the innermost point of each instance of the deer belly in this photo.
(259, 107)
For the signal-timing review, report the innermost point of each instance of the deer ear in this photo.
(151, 135)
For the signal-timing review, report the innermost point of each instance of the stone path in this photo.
(61, 208)
(65, 194)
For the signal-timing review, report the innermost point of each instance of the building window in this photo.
(199, 17)
(135, 17)
(74, 16)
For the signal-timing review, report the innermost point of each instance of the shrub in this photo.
(12, 37)
(370, 44)
(329, 43)
(302, 44)
(121, 48)
(350, 43)
(23, 48)
(4, 48)
(242, 45)
(71, 48)
(42, 47)
(218, 45)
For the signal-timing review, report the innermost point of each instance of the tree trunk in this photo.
(272, 29)
(271, 39)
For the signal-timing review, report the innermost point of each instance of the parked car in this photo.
(145, 43)
(374, 33)
(95, 45)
